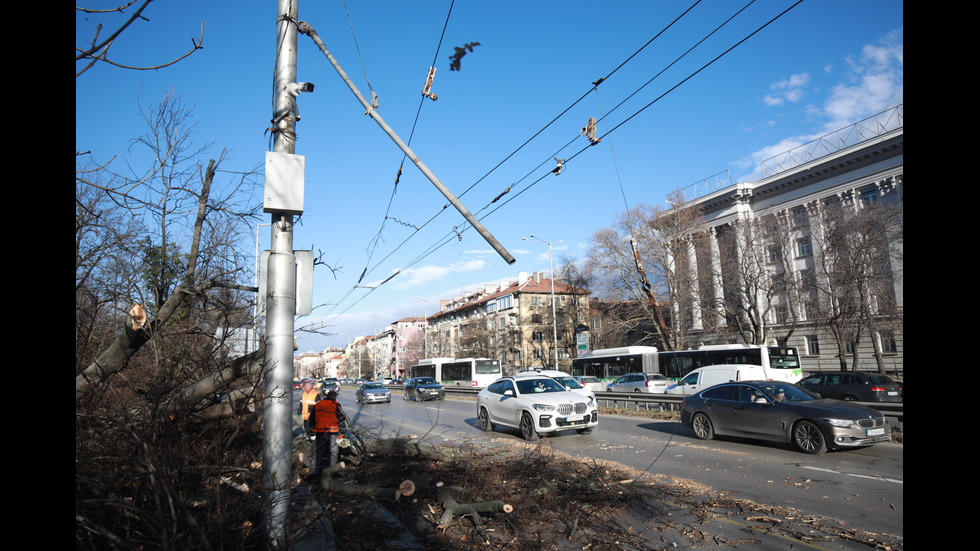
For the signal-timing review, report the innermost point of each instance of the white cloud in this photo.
(413, 277)
(875, 82)
(789, 90)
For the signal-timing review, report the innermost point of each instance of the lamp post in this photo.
(554, 317)
(425, 330)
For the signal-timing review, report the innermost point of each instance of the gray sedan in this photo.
(424, 388)
(372, 392)
(782, 412)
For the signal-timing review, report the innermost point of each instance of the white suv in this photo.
(535, 404)
(565, 379)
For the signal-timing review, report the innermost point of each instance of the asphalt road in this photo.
(863, 488)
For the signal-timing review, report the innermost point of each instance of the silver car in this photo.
(372, 392)
(640, 382)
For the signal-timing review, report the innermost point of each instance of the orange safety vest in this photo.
(308, 401)
(325, 417)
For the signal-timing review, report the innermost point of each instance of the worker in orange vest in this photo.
(326, 419)
(306, 405)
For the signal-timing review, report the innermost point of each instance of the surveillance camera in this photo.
(294, 88)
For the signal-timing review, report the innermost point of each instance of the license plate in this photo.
(573, 418)
(892, 393)
(876, 432)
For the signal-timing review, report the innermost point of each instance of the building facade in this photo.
(810, 256)
(530, 322)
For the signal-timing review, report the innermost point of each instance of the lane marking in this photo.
(886, 479)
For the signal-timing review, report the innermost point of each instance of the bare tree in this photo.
(852, 289)
(97, 50)
(165, 396)
(646, 258)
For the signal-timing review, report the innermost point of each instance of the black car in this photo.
(782, 412)
(861, 387)
(424, 388)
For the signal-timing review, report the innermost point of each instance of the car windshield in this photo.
(783, 392)
(569, 382)
(372, 386)
(425, 381)
(544, 384)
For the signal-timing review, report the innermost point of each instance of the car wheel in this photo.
(485, 423)
(702, 426)
(850, 398)
(636, 391)
(405, 395)
(527, 427)
(808, 438)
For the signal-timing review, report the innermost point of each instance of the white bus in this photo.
(476, 372)
(428, 367)
(779, 363)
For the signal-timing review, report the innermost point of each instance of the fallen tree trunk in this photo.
(453, 509)
(406, 488)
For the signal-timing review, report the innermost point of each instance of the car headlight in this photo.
(842, 423)
(543, 407)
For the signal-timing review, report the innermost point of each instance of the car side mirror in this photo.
(509, 392)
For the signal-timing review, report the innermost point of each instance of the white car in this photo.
(535, 404)
(589, 382)
(565, 379)
(640, 382)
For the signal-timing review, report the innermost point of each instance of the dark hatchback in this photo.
(424, 388)
(860, 387)
(782, 412)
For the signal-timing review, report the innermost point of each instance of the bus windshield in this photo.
(783, 358)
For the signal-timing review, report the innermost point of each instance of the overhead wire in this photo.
(457, 231)
(542, 129)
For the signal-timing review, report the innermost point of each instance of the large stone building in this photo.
(514, 322)
(810, 256)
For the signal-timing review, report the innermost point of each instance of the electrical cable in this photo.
(457, 231)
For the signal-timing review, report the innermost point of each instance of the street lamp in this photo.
(425, 330)
(554, 317)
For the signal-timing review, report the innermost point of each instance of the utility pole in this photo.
(281, 296)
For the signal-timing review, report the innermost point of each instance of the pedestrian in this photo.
(327, 416)
(307, 403)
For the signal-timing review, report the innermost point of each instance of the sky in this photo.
(683, 99)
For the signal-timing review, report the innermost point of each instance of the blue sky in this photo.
(822, 65)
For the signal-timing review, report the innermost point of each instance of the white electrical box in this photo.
(284, 182)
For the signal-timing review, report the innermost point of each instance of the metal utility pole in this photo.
(280, 300)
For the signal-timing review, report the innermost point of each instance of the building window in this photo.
(538, 355)
(812, 345)
(537, 336)
(775, 254)
(888, 343)
(869, 196)
(804, 247)
(536, 318)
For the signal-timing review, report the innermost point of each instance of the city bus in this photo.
(428, 367)
(779, 363)
(477, 372)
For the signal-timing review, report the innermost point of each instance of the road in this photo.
(863, 488)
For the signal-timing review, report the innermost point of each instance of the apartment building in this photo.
(530, 322)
